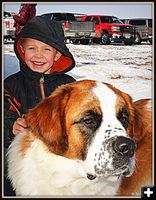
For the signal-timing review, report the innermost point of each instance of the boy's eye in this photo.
(31, 48)
(47, 49)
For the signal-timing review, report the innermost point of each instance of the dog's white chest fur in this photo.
(52, 174)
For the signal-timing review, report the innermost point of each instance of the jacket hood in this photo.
(51, 33)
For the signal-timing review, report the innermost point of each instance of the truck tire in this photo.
(84, 41)
(95, 40)
(105, 39)
(128, 43)
(137, 39)
(75, 41)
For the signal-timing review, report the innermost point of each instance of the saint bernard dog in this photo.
(87, 138)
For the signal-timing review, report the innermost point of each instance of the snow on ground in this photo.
(129, 68)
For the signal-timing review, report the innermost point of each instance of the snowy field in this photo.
(129, 68)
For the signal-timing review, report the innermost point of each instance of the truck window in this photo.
(71, 17)
(105, 20)
(150, 22)
(116, 20)
(61, 17)
(96, 20)
(109, 19)
(88, 18)
(58, 17)
(79, 18)
(138, 22)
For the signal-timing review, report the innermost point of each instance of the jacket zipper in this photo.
(42, 87)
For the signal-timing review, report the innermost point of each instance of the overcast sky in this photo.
(121, 10)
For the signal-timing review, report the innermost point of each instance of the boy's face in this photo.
(39, 56)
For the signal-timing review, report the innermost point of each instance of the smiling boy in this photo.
(44, 59)
(39, 56)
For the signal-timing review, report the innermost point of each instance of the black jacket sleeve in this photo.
(9, 119)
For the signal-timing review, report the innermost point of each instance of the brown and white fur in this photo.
(142, 134)
(81, 141)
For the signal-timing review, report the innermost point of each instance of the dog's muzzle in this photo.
(116, 157)
(123, 155)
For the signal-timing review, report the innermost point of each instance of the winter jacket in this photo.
(25, 86)
(26, 12)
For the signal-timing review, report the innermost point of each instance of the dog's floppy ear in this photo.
(47, 120)
(142, 119)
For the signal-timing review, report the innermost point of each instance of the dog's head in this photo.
(89, 122)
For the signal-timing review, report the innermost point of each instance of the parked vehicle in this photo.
(73, 30)
(8, 26)
(143, 29)
(110, 29)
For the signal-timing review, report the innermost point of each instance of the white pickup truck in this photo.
(8, 27)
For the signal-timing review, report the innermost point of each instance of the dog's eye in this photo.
(123, 117)
(90, 120)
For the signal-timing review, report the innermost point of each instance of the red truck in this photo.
(110, 29)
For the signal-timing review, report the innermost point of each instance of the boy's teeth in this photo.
(38, 63)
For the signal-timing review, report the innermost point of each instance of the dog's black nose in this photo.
(124, 146)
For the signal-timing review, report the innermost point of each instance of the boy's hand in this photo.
(19, 126)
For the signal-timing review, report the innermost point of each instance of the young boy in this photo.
(44, 59)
